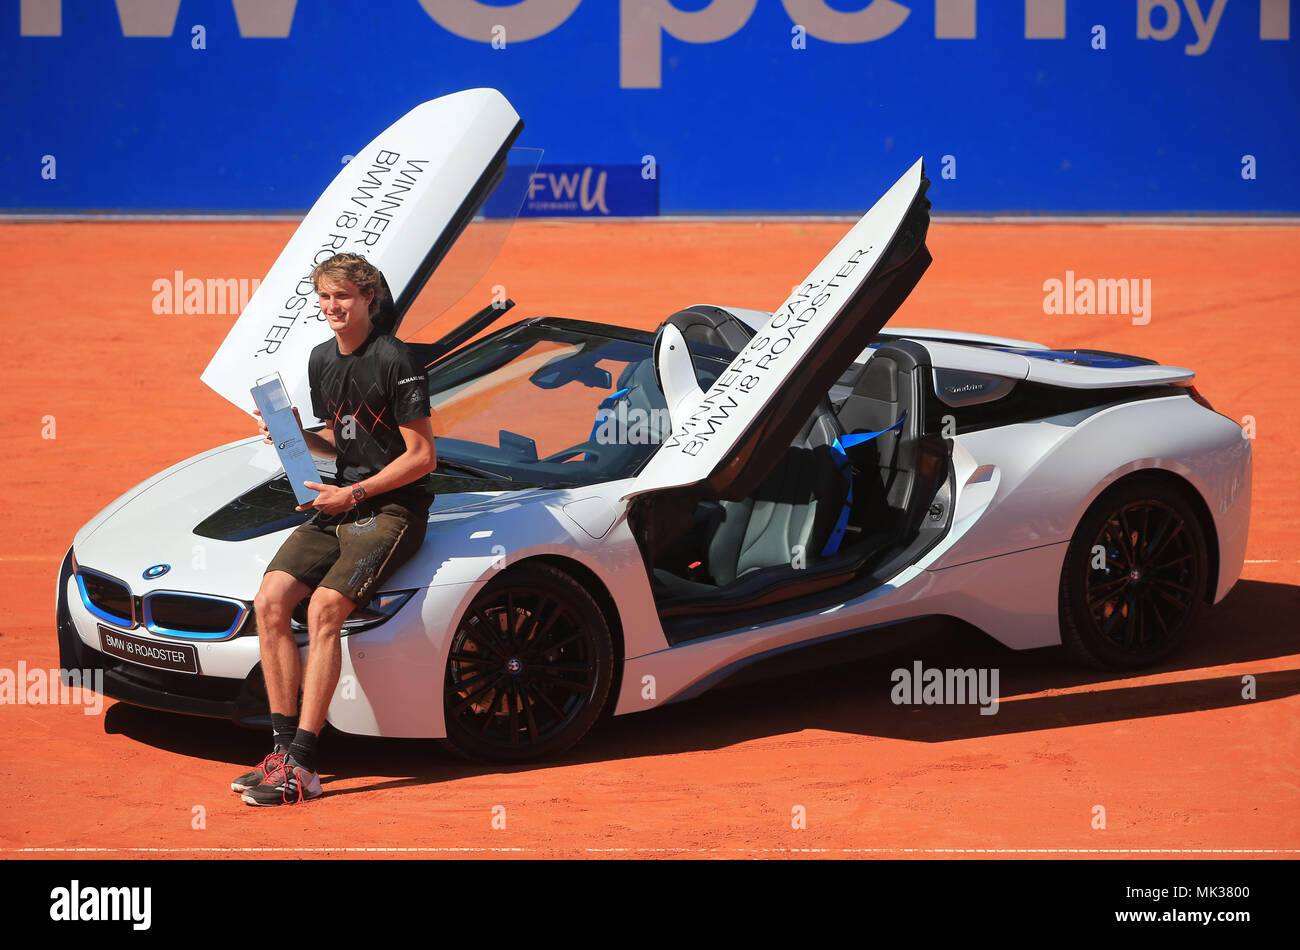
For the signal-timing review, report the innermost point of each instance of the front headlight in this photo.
(380, 608)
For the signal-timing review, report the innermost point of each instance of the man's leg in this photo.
(295, 778)
(281, 666)
(281, 670)
(325, 615)
(371, 548)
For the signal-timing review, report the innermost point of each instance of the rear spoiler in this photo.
(1073, 376)
(1050, 372)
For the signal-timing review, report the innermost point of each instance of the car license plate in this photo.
(179, 657)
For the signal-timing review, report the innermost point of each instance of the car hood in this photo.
(218, 518)
(402, 201)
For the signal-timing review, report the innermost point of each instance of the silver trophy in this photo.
(277, 412)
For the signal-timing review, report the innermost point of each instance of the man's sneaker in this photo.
(287, 785)
(259, 772)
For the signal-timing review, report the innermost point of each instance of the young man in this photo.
(375, 401)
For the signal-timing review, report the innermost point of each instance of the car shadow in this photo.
(851, 691)
(841, 686)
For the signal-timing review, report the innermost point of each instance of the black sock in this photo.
(303, 749)
(282, 731)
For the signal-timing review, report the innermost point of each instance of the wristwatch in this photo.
(358, 495)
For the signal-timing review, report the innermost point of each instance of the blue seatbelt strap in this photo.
(609, 402)
(842, 463)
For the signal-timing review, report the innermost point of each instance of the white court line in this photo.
(505, 850)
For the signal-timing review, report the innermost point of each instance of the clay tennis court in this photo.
(1181, 763)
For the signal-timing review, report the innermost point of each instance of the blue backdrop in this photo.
(252, 104)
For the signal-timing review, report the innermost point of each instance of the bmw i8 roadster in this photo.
(622, 519)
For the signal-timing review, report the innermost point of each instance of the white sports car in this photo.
(623, 519)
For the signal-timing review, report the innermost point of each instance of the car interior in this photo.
(828, 510)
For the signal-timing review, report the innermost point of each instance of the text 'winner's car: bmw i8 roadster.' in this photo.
(623, 519)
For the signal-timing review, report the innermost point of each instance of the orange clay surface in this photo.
(1181, 763)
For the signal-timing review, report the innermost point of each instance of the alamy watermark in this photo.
(81, 902)
(621, 425)
(212, 296)
(945, 687)
(1105, 295)
(39, 687)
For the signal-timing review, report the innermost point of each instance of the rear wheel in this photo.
(529, 668)
(1134, 577)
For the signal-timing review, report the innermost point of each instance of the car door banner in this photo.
(392, 203)
(706, 435)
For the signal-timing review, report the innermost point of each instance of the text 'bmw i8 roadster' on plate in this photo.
(622, 519)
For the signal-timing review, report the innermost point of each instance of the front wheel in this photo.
(1134, 577)
(529, 669)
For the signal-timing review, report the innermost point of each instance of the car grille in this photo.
(192, 616)
(111, 598)
(164, 613)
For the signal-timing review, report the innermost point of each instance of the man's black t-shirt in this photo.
(365, 395)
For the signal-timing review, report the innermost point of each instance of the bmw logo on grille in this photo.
(158, 570)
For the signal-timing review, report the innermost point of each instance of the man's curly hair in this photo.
(357, 270)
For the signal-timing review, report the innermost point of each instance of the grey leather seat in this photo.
(792, 513)
(794, 508)
(888, 389)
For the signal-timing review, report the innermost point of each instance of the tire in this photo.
(529, 668)
(1139, 607)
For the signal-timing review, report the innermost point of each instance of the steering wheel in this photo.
(590, 447)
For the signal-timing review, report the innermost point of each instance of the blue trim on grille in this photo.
(127, 622)
(161, 631)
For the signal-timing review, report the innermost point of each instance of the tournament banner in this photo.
(778, 106)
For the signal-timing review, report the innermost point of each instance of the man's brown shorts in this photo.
(354, 552)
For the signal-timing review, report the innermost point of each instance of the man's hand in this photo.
(332, 499)
(265, 433)
(261, 427)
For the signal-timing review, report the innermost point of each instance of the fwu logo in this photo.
(642, 23)
(558, 189)
(585, 191)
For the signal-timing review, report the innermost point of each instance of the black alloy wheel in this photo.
(1134, 579)
(529, 668)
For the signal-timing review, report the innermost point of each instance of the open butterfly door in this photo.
(737, 430)
(402, 201)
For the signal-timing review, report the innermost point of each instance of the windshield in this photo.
(548, 405)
